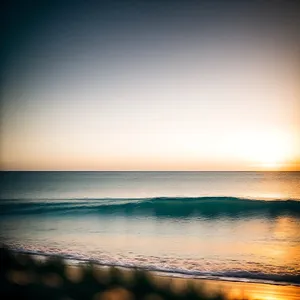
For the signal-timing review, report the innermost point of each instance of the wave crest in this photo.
(159, 206)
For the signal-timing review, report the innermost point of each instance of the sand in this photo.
(232, 289)
(239, 290)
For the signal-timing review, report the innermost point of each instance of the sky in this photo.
(150, 85)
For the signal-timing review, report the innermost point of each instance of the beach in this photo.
(152, 146)
(240, 290)
(37, 276)
(230, 289)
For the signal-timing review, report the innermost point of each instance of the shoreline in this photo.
(209, 287)
(159, 272)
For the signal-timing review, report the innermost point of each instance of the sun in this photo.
(271, 155)
(271, 163)
(267, 151)
(270, 159)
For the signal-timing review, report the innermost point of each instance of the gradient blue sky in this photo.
(152, 85)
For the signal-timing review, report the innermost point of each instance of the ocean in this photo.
(240, 226)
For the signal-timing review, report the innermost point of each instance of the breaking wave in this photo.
(159, 206)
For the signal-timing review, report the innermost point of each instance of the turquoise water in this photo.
(233, 225)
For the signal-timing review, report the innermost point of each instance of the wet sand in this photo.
(232, 289)
(239, 290)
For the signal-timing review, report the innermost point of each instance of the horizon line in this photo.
(18, 170)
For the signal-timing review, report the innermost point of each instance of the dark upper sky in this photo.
(70, 22)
